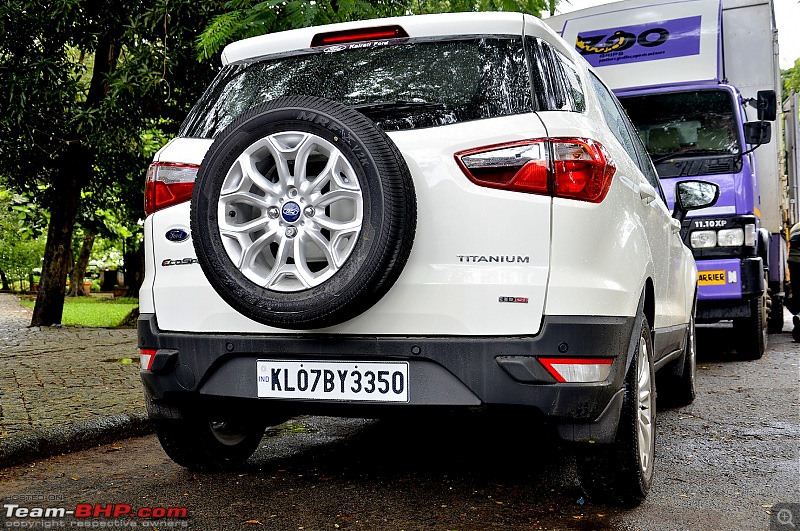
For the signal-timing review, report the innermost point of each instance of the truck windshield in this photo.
(685, 124)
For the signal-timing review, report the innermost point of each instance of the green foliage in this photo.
(105, 255)
(21, 249)
(247, 18)
(532, 7)
(95, 311)
(791, 79)
(116, 110)
(89, 89)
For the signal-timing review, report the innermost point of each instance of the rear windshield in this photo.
(402, 86)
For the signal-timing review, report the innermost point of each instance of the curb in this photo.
(38, 444)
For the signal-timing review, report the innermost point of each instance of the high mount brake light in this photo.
(578, 370)
(358, 35)
(168, 184)
(572, 168)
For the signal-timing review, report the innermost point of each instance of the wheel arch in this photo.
(645, 308)
(649, 304)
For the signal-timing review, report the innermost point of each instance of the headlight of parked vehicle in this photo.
(730, 237)
(703, 239)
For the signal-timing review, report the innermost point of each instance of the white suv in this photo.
(442, 211)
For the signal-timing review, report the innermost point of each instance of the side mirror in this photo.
(757, 133)
(767, 105)
(693, 195)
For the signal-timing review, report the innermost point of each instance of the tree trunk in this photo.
(4, 281)
(79, 271)
(52, 285)
(134, 271)
(74, 166)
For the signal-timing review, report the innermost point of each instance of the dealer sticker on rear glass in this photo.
(333, 380)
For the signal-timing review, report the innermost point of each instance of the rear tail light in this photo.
(358, 35)
(572, 168)
(168, 184)
(578, 370)
(146, 357)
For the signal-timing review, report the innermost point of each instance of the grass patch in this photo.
(99, 312)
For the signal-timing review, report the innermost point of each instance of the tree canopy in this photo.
(85, 81)
(240, 19)
(791, 79)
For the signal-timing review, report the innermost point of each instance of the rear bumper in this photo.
(443, 371)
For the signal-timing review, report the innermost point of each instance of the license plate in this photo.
(709, 278)
(333, 380)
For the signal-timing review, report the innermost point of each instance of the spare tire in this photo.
(303, 213)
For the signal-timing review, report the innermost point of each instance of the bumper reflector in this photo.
(578, 370)
(146, 357)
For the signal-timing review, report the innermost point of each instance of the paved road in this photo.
(64, 388)
(723, 464)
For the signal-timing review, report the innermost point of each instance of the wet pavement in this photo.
(64, 388)
(728, 461)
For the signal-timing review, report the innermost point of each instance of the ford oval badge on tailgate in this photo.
(177, 235)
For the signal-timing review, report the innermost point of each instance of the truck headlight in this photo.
(703, 239)
(730, 237)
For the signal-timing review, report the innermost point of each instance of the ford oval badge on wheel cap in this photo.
(290, 212)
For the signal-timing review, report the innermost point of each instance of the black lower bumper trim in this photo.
(443, 371)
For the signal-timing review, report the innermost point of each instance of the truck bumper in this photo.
(219, 370)
(726, 286)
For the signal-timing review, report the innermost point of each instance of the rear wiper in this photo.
(396, 106)
(678, 154)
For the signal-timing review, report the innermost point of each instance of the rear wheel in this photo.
(205, 443)
(303, 214)
(677, 388)
(622, 471)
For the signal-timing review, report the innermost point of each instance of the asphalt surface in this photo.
(728, 461)
(64, 388)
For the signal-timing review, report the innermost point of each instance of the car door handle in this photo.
(647, 193)
(675, 224)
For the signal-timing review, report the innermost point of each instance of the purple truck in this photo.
(700, 80)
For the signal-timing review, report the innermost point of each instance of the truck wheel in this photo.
(622, 471)
(775, 320)
(752, 331)
(303, 214)
(677, 388)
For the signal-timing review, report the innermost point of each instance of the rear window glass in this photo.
(402, 86)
